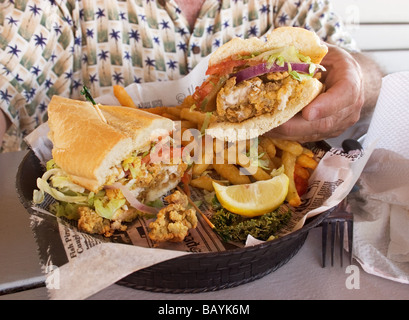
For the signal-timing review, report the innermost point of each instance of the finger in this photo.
(303, 130)
(340, 95)
(294, 129)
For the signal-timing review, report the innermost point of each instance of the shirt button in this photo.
(196, 50)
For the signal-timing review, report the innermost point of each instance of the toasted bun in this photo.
(306, 42)
(254, 127)
(87, 148)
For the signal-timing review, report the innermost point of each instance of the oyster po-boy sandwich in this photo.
(102, 173)
(256, 84)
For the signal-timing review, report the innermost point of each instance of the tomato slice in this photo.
(205, 95)
(146, 159)
(205, 88)
(225, 67)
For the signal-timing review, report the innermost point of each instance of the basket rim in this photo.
(316, 220)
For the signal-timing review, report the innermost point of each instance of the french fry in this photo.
(257, 172)
(307, 152)
(206, 160)
(307, 162)
(218, 151)
(199, 168)
(156, 110)
(187, 137)
(186, 124)
(265, 158)
(230, 154)
(228, 159)
(236, 154)
(187, 102)
(268, 146)
(204, 182)
(123, 97)
(195, 116)
(289, 159)
(170, 116)
(288, 145)
(175, 111)
(301, 171)
(277, 162)
(231, 172)
(191, 115)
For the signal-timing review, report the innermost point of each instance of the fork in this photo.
(337, 220)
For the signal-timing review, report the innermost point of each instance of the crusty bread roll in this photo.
(87, 148)
(308, 44)
(256, 126)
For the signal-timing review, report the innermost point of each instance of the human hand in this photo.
(334, 110)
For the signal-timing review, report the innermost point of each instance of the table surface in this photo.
(301, 278)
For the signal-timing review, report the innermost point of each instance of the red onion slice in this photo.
(132, 199)
(263, 68)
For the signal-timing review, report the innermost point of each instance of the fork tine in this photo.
(341, 240)
(324, 241)
(333, 234)
(350, 225)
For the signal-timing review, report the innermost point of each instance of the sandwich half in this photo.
(104, 173)
(254, 86)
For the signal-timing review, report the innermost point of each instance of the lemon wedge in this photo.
(254, 199)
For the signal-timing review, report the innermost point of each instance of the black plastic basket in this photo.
(197, 272)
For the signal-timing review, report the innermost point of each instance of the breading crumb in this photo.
(174, 221)
(91, 222)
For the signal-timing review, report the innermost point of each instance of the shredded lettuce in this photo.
(67, 210)
(256, 158)
(286, 54)
(63, 182)
(277, 172)
(107, 211)
(289, 55)
(71, 196)
(43, 186)
(158, 203)
(51, 165)
(206, 122)
(299, 76)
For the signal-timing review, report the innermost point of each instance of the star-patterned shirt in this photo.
(55, 47)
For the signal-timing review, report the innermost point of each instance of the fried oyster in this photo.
(173, 221)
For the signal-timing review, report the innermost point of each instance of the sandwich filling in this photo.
(255, 96)
(248, 85)
(130, 190)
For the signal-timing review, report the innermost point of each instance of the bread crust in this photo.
(87, 148)
(307, 43)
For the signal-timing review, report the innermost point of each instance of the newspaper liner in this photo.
(78, 264)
